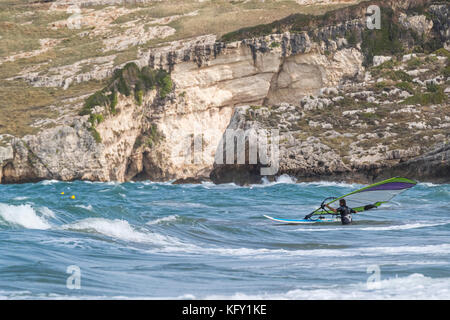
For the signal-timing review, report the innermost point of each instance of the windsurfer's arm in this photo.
(332, 209)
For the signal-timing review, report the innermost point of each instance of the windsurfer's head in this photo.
(342, 202)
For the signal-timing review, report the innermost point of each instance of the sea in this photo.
(153, 240)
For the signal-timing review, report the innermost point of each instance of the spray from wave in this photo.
(24, 216)
(283, 179)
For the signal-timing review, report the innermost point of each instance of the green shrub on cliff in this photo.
(446, 71)
(275, 44)
(130, 79)
(352, 38)
(432, 87)
(127, 80)
(442, 52)
(148, 78)
(114, 100)
(95, 119)
(386, 71)
(380, 86)
(435, 95)
(384, 41)
(164, 82)
(138, 93)
(154, 136)
(96, 135)
(406, 86)
(414, 63)
(97, 99)
(399, 75)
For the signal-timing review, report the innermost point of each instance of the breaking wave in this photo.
(414, 286)
(120, 230)
(384, 228)
(24, 216)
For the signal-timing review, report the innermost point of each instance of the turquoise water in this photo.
(158, 240)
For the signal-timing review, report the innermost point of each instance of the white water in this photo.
(23, 216)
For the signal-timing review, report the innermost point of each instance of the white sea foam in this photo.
(4, 295)
(264, 253)
(383, 228)
(403, 227)
(20, 198)
(178, 204)
(428, 184)
(210, 185)
(283, 179)
(88, 207)
(164, 219)
(163, 183)
(49, 182)
(121, 230)
(112, 183)
(22, 215)
(331, 184)
(46, 212)
(414, 286)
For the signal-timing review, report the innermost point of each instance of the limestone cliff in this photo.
(149, 134)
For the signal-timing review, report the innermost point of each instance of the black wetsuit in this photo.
(346, 214)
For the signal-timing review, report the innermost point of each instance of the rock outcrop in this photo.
(432, 166)
(316, 151)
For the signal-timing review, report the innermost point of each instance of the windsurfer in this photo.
(344, 211)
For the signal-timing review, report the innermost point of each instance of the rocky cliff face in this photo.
(210, 80)
(299, 73)
(70, 151)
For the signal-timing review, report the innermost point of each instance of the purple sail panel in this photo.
(391, 186)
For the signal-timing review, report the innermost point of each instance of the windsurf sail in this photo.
(369, 197)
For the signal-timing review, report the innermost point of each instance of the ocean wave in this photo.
(264, 253)
(178, 204)
(24, 216)
(429, 184)
(46, 212)
(88, 207)
(283, 179)
(49, 182)
(20, 198)
(403, 227)
(121, 230)
(163, 220)
(384, 228)
(162, 183)
(211, 185)
(414, 286)
(332, 184)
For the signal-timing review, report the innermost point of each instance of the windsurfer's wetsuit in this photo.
(346, 214)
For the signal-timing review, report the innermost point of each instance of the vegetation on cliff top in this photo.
(298, 22)
(391, 39)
